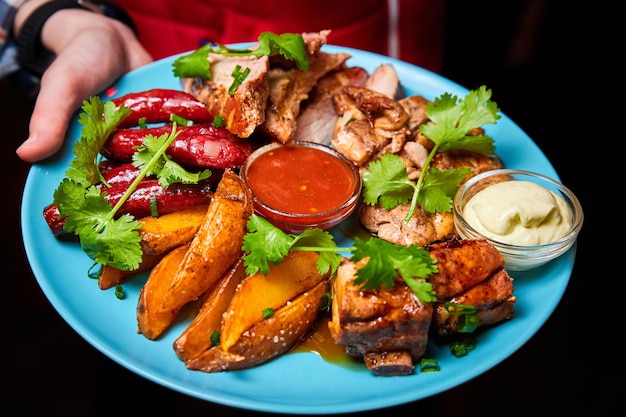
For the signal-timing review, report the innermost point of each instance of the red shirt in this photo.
(411, 30)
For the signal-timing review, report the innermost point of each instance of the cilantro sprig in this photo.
(106, 239)
(451, 121)
(265, 244)
(289, 45)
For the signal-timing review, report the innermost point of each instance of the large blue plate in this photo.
(299, 383)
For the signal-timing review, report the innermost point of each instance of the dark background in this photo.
(568, 367)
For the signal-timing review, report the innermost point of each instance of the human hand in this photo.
(92, 52)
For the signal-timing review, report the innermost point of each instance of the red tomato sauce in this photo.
(300, 179)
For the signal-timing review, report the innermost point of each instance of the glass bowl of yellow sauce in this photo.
(530, 218)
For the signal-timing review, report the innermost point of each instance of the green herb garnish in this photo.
(468, 316)
(264, 244)
(267, 313)
(429, 365)
(239, 77)
(289, 45)
(215, 338)
(386, 182)
(87, 213)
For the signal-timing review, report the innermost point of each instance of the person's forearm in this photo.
(23, 12)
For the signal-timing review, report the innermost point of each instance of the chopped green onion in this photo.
(215, 338)
(119, 292)
(180, 121)
(154, 210)
(326, 303)
(429, 365)
(268, 313)
(468, 320)
(462, 347)
(94, 271)
(218, 121)
(239, 76)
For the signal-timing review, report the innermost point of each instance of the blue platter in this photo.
(297, 383)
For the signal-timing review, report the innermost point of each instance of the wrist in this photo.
(32, 55)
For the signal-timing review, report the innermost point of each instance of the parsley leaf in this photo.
(195, 64)
(87, 213)
(387, 260)
(265, 243)
(98, 121)
(451, 122)
(387, 182)
(289, 45)
(149, 158)
(439, 189)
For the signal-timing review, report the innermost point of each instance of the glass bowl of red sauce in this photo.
(300, 185)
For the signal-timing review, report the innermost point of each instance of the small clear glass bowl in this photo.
(297, 221)
(518, 257)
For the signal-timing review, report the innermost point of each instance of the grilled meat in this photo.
(471, 272)
(317, 114)
(389, 329)
(245, 109)
(289, 88)
(370, 121)
(387, 322)
(424, 227)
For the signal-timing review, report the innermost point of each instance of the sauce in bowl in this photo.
(302, 184)
(519, 213)
(529, 217)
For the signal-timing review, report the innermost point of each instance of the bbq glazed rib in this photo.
(389, 329)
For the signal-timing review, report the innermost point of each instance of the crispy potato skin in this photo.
(196, 338)
(159, 235)
(111, 276)
(217, 244)
(152, 319)
(268, 338)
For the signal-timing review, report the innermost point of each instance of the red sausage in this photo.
(170, 199)
(156, 105)
(200, 146)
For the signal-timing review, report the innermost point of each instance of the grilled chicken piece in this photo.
(245, 109)
(317, 115)
(424, 227)
(389, 329)
(471, 272)
(386, 322)
(289, 88)
(415, 106)
(369, 125)
(384, 79)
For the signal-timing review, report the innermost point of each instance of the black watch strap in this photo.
(31, 54)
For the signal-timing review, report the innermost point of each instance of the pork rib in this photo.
(389, 329)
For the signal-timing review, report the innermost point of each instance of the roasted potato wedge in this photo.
(217, 244)
(197, 336)
(161, 234)
(268, 338)
(152, 318)
(295, 275)
(111, 276)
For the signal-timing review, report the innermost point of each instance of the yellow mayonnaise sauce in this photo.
(519, 213)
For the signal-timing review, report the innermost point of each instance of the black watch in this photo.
(31, 54)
